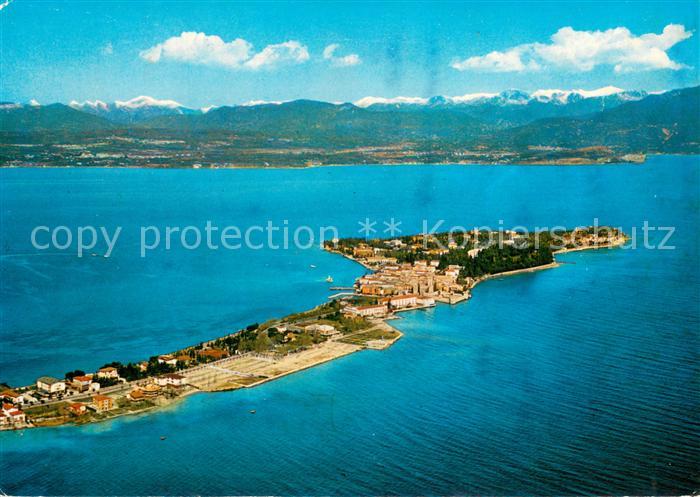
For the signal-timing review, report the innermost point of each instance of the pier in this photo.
(339, 295)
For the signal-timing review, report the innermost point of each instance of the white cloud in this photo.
(584, 50)
(211, 50)
(508, 61)
(345, 61)
(287, 52)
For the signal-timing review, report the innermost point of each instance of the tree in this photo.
(72, 374)
(304, 340)
(263, 342)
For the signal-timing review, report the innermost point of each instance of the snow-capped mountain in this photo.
(611, 94)
(507, 108)
(136, 109)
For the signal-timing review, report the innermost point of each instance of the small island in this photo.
(405, 273)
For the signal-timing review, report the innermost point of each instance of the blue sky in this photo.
(60, 51)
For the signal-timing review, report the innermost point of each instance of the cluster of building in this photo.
(402, 286)
(49, 387)
(587, 237)
(12, 416)
(157, 386)
(422, 278)
(100, 403)
(85, 388)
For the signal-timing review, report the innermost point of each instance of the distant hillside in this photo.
(669, 122)
(54, 118)
(324, 124)
(305, 131)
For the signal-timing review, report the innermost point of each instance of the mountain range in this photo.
(137, 109)
(514, 121)
(517, 104)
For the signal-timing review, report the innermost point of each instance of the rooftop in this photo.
(48, 380)
(174, 376)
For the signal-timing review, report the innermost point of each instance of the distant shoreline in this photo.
(374, 164)
(543, 163)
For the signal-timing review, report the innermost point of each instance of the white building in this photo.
(323, 329)
(425, 301)
(13, 397)
(108, 372)
(368, 310)
(167, 359)
(171, 379)
(473, 252)
(50, 384)
(401, 301)
(12, 416)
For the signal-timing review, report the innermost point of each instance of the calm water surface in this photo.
(581, 379)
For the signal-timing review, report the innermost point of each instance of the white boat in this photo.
(312, 266)
(329, 279)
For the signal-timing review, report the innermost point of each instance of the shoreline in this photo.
(298, 364)
(361, 164)
(534, 163)
(298, 360)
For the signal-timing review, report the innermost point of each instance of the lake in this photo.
(581, 379)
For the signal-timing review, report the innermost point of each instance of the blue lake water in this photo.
(580, 379)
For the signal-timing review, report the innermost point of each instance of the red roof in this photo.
(212, 353)
(82, 378)
(174, 376)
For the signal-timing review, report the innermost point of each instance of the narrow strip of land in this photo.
(405, 274)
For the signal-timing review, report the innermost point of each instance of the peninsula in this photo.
(405, 273)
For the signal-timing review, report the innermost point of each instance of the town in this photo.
(417, 271)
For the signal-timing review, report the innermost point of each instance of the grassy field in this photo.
(376, 333)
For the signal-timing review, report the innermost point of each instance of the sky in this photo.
(222, 53)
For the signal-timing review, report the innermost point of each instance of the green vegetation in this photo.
(303, 133)
(478, 253)
(494, 260)
(373, 334)
(72, 374)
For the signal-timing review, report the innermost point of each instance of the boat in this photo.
(162, 438)
(329, 279)
(252, 411)
(312, 266)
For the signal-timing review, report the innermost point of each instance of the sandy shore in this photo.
(253, 370)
